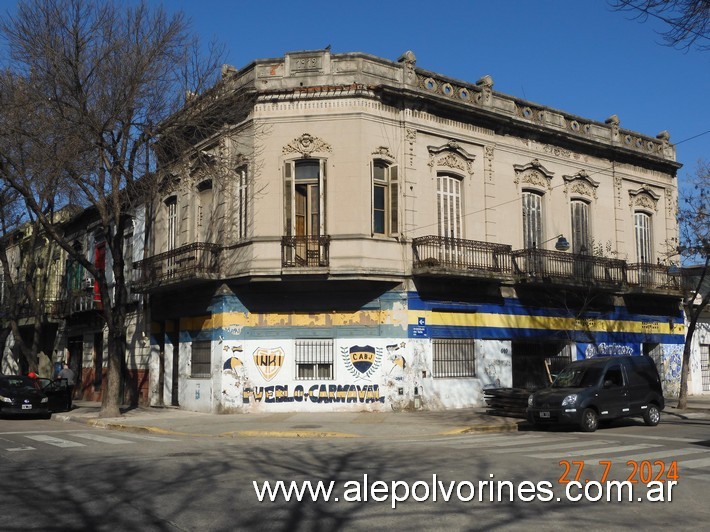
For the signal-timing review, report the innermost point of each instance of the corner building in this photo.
(363, 234)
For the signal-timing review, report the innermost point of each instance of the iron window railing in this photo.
(305, 251)
(314, 359)
(201, 359)
(453, 358)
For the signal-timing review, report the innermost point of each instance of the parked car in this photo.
(58, 392)
(600, 388)
(20, 395)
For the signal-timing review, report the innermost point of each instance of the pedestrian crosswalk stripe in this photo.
(23, 448)
(596, 451)
(662, 454)
(561, 444)
(151, 438)
(57, 442)
(99, 438)
(694, 464)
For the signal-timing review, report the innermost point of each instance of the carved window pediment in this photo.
(307, 145)
(644, 198)
(533, 174)
(383, 152)
(451, 155)
(581, 184)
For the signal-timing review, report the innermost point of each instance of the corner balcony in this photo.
(194, 262)
(441, 256)
(544, 266)
(305, 251)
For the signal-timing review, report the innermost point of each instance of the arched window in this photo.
(532, 219)
(642, 230)
(171, 229)
(204, 210)
(449, 209)
(581, 238)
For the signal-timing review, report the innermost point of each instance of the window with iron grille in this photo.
(705, 365)
(454, 358)
(314, 359)
(201, 358)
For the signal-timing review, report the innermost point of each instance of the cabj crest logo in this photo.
(269, 361)
(362, 361)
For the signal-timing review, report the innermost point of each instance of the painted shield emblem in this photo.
(269, 361)
(362, 357)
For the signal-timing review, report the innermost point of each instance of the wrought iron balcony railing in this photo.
(569, 267)
(454, 256)
(652, 276)
(305, 251)
(459, 255)
(199, 260)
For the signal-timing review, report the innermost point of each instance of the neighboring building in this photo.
(699, 376)
(364, 234)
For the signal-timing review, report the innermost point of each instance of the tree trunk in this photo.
(685, 366)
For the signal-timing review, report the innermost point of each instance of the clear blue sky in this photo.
(577, 56)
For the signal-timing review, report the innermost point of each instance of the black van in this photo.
(600, 388)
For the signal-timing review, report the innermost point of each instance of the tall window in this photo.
(304, 191)
(241, 203)
(204, 210)
(642, 229)
(171, 222)
(453, 358)
(448, 194)
(580, 226)
(532, 219)
(385, 200)
(314, 359)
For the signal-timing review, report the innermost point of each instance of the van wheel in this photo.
(652, 415)
(590, 420)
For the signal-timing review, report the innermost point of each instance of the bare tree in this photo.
(688, 21)
(103, 76)
(694, 219)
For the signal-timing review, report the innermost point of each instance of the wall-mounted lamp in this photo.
(562, 243)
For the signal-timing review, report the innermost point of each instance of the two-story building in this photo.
(363, 234)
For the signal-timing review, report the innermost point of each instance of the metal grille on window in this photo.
(314, 359)
(454, 358)
(705, 366)
(201, 358)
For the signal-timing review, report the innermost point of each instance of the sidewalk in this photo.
(370, 425)
(380, 425)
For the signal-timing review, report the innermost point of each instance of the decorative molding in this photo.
(451, 155)
(533, 173)
(581, 183)
(307, 145)
(383, 152)
(644, 198)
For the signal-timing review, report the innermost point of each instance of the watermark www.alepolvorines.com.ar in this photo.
(435, 490)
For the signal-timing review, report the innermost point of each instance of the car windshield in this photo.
(578, 377)
(18, 382)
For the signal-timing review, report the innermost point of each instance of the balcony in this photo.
(541, 265)
(435, 255)
(655, 277)
(305, 251)
(193, 262)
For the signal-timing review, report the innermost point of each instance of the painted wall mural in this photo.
(362, 361)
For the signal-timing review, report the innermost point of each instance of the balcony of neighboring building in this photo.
(189, 264)
(457, 257)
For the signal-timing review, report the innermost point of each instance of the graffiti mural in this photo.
(268, 361)
(316, 393)
(361, 361)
